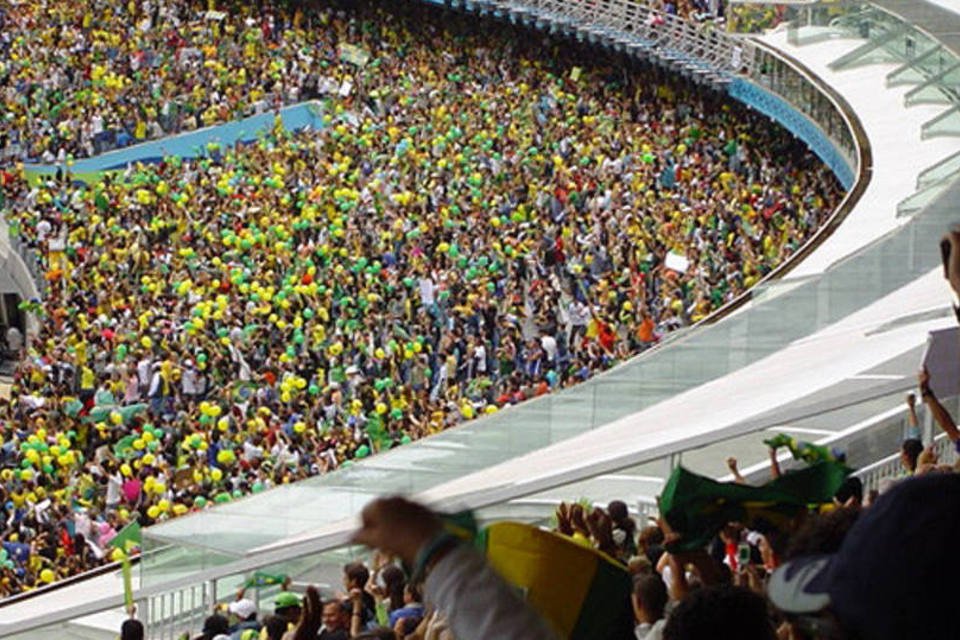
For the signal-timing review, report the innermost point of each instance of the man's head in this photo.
(287, 606)
(334, 616)
(887, 578)
(355, 575)
(649, 597)
(131, 630)
(276, 626)
(243, 609)
(910, 452)
(717, 613)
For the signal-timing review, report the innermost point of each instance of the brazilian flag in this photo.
(128, 538)
(582, 593)
(697, 507)
(264, 579)
(806, 451)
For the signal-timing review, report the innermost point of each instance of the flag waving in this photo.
(697, 507)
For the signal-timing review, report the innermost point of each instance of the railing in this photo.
(874, 476)
(169, 615)
(688, 47)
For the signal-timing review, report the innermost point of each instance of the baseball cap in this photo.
(243, 608)
(285, 600)
(886, 581)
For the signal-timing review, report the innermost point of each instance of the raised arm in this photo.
(476, 602)
(913, 423)
(737, 476)
(940, 414)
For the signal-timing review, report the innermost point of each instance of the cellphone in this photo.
(743, 555)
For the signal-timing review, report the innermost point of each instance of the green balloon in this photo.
(363, 451)
(396, 414)
(313, 390)
(200, 502)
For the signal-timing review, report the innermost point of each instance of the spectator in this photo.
(215, 625)
(871, 588)
(244, 611)
(720, 613)
(131, 630)
(286, 606)
(649, 605)
(407, 618)
(336, 621)
(355, 579)
(476, 602)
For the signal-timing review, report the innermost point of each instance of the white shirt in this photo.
(480, 355)
(143, 371)
(427, 288)
(189, 380)
(14, 339)
(114, 483)
(251, 452)
(647, 631)
(549, 344)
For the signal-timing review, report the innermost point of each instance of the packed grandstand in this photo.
(484, 214)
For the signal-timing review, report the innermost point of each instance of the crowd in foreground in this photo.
(476, 224)
(833, 570)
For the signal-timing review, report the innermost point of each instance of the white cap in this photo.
(243, 608)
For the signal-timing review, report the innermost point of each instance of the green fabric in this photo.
(806, 451)
(607, 611)
(697, 507)
(128, 537)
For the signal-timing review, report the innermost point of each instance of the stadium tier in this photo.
(275, 261)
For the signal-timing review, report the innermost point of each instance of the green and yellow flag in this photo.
(697, 507)
(581, 592)
(127, 538)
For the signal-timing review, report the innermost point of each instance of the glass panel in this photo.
(942, 170)
(939, 89)
(922, 198)
(946, 124)
(931, 63)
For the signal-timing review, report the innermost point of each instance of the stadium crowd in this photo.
(483, 218)
(828, 570)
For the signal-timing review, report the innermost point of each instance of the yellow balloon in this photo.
(216, 474)
(125, 469)
(153, 512)
(47, 576)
